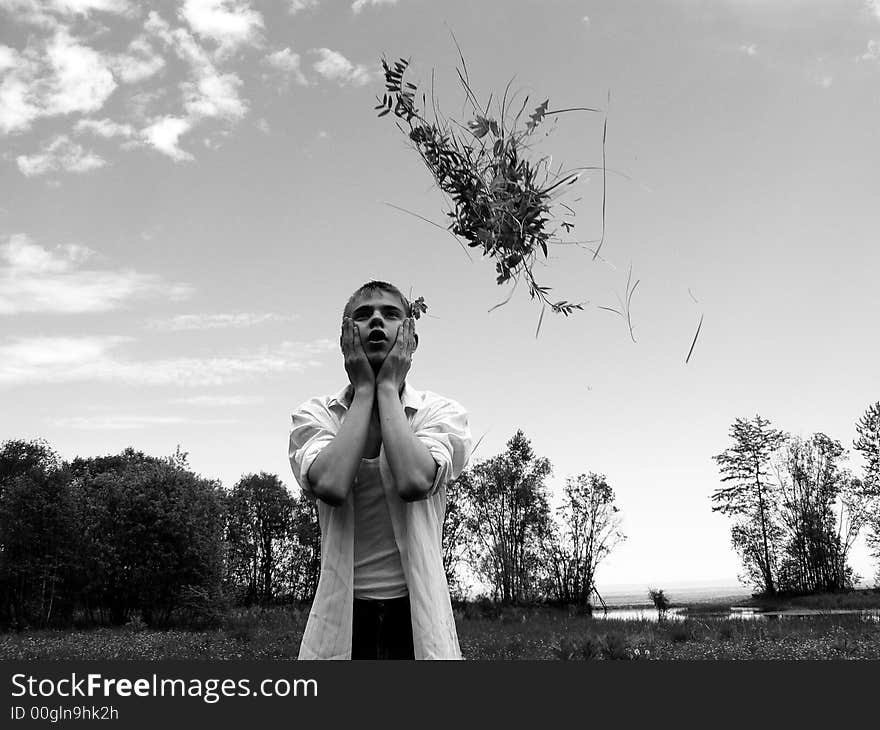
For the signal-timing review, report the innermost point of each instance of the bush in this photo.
(200, 608)
(615, 646)
(660, 600)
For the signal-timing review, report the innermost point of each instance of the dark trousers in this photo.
(382, 629)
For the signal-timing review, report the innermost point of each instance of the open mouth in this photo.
(376, 336)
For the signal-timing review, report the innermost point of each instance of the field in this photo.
(487, 632)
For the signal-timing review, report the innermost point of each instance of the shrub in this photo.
(615, 646)
(660, 600)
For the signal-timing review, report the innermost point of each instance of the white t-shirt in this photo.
(378, 572)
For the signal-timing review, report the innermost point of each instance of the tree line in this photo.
(797, 508)
(104, 540)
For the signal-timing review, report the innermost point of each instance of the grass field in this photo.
(508, 634)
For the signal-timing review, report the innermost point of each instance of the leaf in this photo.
(537, 116)
(696, 334)
(479, 127)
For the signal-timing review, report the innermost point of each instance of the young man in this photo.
(377, 457)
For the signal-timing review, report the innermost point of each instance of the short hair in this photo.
(373, 286)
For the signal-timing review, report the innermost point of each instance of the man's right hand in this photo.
(360, 372)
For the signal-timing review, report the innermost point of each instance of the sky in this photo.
(189, 191)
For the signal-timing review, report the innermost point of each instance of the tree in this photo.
(152, 536)
(260, 517)
(660, 600)
(811, 484)
(868, 445)
(590, 529)
(38, 535)
(508, 517)
(455, 530)
(305, 554)
(749, 497)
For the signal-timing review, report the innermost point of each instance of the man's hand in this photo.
(399, 358)
(360, 372)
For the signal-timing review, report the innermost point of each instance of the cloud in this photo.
(295, 6)
(873, 6)
(333, 66)
(288, 63)
(586, 20)
(128, 423)
(46, 13)
(873, 51)
(229, 23)
(209, 94)
(35, 279)
(78, 359)
(105, 128)
(749, 49)
(164, 135)
(184, 322)
(218, 401)
(52, 77)
(138, 63)
(60, 155)
(359, 5)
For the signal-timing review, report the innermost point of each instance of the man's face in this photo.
(377, 314)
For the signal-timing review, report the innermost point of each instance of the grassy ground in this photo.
(513, 633)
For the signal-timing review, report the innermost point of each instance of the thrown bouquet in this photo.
(502, 200)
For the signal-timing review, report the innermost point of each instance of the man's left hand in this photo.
(399, 358)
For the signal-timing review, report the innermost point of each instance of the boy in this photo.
(377, 457)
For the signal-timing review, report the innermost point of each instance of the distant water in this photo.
(633, 594)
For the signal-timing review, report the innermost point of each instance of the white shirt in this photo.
(442, 426)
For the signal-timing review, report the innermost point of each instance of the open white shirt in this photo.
(442, 426)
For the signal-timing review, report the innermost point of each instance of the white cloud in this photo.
(873, 6)
(873, 51)
(46, 13)
(218, 401)
(105, 128)
(359, 5)
(229, 23)
(8, 58)
(263, 125)
(60, 155)
(287, 62)
(164, 135)
(84, 7)
(333, 66)
(749, 49)
(183, 322)
(78, 359)
(138, 63)
(35, 279)
(82, 81)
(214, 95)
(131, 422)
(209, 93)
(52, 77)
(296, 5)
(586, 20)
